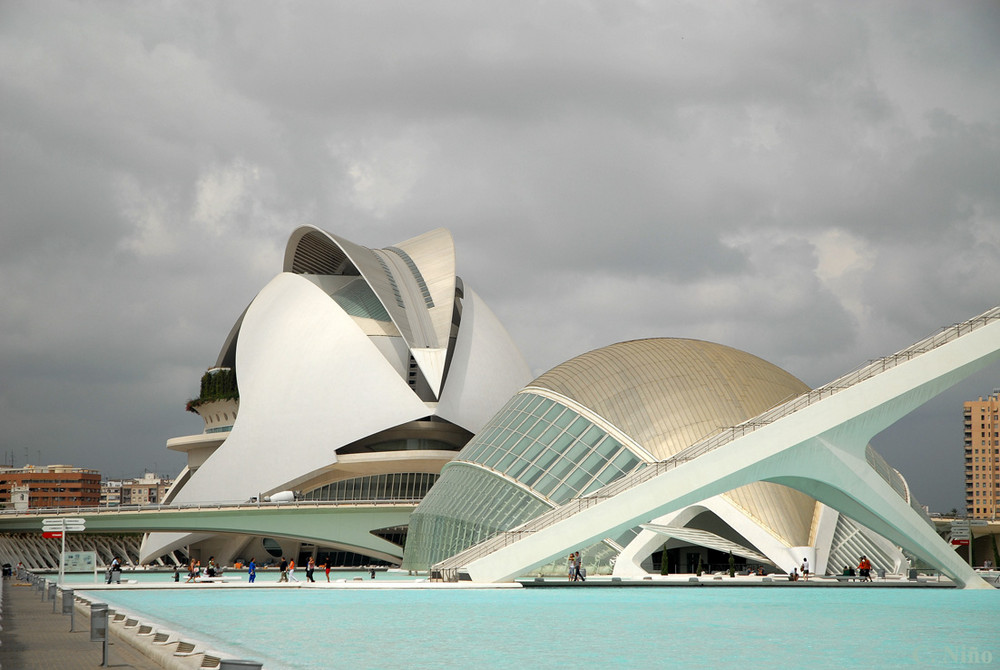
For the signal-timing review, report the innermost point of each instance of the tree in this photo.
(732, 565)
(699, 566)
(664, 568)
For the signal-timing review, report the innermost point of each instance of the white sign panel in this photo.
(79, 561)
(72, 524)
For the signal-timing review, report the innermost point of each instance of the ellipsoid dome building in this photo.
(605, 413)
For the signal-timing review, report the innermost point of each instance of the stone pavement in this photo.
(33, 638)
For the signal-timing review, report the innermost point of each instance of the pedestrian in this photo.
(283, 567)
(864, 569)
(372, 572)
(291, 570)
(116, 570)
(570, 564)
(577, 574)
(805, 569)
(251, 570)
(190, 572)
(310, 568)
(177, 574)
(327, 566)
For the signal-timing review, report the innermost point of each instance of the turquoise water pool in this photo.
(602, 627)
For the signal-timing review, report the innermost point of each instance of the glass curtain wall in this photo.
(551, 450)
(409, 486)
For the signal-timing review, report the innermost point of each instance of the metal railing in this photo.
(449, 566)
(207, 506)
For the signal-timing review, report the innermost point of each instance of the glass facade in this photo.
(392, 486)
(549, 448)
(358, 299)
(535, 441)
(468, 505)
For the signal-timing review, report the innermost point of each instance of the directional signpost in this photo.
(58, 527)
(961, 532)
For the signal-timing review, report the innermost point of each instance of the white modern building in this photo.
(365, 377)
(359, 373)
(591, 420)
(815, 443)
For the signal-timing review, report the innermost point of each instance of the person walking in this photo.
(570, 565)
(291, 570)
(283, 567)
(310, 568)
(327, 566)
(577, 574)
(251, 570)
(864, 569)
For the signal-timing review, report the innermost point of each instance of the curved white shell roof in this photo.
(313, 378)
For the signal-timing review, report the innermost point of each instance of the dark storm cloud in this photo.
(813, 183)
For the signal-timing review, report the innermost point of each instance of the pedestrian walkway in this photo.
(33, 638)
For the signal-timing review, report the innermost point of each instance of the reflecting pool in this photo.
(583, 627)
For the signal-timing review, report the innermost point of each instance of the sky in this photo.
(816, 183)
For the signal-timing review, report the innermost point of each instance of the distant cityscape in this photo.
(48, 486)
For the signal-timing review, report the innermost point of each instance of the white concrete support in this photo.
(818, 449)
(781, 554)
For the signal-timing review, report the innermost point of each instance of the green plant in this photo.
(216, 384)
(996, 554)
(699, 571)
(732, 565)
(664, 568)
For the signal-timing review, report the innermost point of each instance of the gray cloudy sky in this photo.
(816, 183)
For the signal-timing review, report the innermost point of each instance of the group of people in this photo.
(574, 571)
(804, 575)
(287, 570)
(864, 570)
(194, 570)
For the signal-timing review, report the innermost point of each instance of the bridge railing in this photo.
(449, 566)
(131, 509)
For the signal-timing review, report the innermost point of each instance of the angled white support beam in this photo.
(818, 449)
